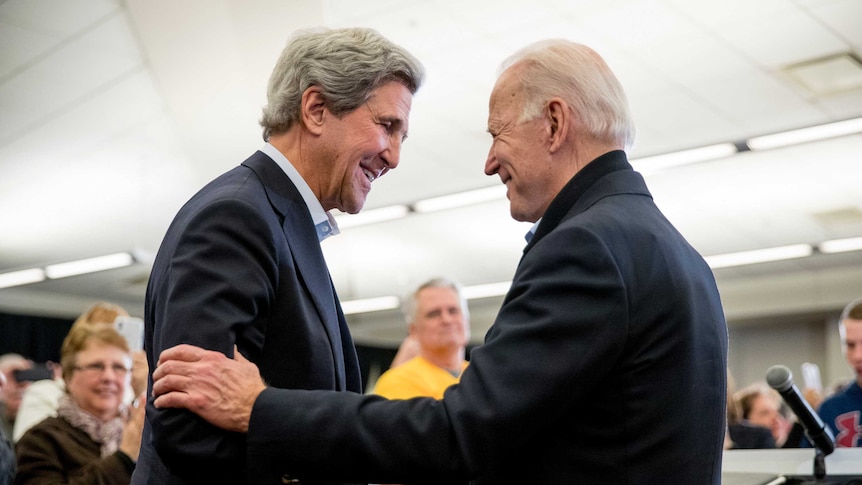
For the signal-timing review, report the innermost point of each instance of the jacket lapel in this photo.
(308, 258)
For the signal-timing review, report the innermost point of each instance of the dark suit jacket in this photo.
(606, 365)
(240, 264)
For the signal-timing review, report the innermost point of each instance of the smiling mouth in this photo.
(369, 174)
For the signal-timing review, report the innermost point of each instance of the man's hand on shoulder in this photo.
(209, 384)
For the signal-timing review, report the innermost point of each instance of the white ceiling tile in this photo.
(421, 28)
(19, 46)
(718, 15)
(496, 16)
(752, 94)
(841, 105)
(51, 17)
(646, 25)
(765, 41)
(676, 114)
(843, 18)
(698, 56)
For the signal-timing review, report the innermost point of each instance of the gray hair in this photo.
(410, 304)
(576, 73)
(12, 360)
(347, 64)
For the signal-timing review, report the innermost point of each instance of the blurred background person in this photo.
(741, 434)
(12, 391)
(761, 406)
(438, 321)
(41, 399)
(7, 456)
(842, 410)
(94, 438)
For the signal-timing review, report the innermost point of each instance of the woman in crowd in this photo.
(41, 399)
(94, 438)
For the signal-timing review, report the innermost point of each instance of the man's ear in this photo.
(411, 329)
(313, 110)
(559, 118)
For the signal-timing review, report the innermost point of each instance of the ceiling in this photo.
(113, 113)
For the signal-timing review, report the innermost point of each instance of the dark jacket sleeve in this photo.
(215, 286)
(512, 386)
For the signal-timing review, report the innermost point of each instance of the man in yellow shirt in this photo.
(439, 321)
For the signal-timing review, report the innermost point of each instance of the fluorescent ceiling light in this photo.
(487, 290)
(759, 256)
(23, 277)
(372, 216)
(695, 155)
(461, 199)
(841, 245)
(90, 265)
(806, 135)
(370, 305)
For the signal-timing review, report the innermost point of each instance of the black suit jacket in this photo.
(240, 264)
(606, 365)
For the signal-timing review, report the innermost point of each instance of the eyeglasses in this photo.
(98, 368)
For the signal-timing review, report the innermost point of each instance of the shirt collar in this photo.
(532, 231)
(323, 220)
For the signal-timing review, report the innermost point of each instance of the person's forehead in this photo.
(853, 328)
(392, 95)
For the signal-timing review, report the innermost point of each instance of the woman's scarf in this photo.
(106, 433)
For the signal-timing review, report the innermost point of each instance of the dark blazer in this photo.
(240, 264)
(606, 365)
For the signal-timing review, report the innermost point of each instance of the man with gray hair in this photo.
(606, 364)
(439, 320)
(241, 268)
(13, 390)
(842, 412)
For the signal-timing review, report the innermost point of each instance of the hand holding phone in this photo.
(132, 329)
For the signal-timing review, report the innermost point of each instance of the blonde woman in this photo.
(40, 400)
(94, 438)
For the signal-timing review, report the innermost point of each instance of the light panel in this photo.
(486, 291)
(23, 277)
(90, 265)
(759, 256)
(806, 135)
(675, 159)
(841, 245)
(461, 199)
(368, 305)
(372, 216)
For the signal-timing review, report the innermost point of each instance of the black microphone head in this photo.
(779, 378)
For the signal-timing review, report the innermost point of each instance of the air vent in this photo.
(829, 75)
(839, 218)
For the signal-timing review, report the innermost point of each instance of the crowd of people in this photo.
(82, 422)
(758, 418)
(612, 319)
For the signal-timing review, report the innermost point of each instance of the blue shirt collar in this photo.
(323, 220)
(532, 231)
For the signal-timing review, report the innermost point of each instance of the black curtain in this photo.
(40, 338)
(36, 338)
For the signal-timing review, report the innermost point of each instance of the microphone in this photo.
(780, 378)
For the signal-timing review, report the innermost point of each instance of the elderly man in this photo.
(605, 365)
(439, 321)
(241, 264)
(13, 390)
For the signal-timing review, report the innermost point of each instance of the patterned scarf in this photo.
(106, 433)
